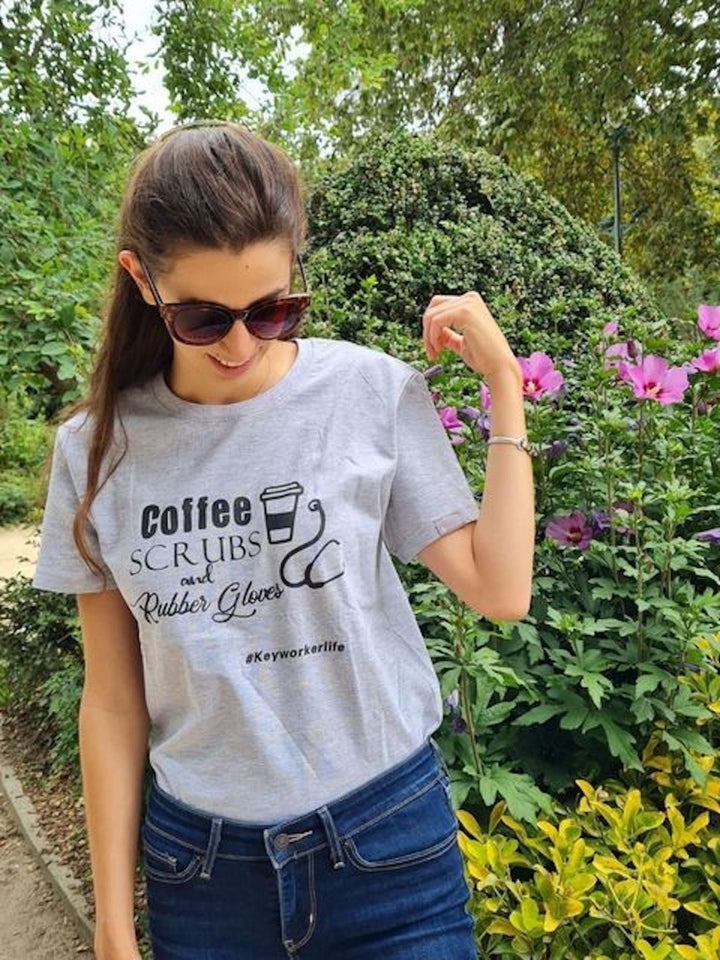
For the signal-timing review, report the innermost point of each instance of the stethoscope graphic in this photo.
(307, 579)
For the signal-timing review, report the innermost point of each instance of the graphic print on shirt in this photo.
(278, 520)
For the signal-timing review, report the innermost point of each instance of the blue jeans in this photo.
(375, 874)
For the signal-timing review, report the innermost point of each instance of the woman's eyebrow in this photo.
(267, 296)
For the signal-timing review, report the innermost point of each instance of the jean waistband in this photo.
(290, 839)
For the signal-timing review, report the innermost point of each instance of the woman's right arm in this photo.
(114, 727)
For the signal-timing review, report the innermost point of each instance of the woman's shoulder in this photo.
(353, 361)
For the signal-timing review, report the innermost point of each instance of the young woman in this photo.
(224, 505)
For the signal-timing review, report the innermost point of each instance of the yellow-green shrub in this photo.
(627, 873)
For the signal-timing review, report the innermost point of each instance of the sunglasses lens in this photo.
(201, 325)
(274, 320)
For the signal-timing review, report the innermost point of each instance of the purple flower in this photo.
(540, 378)
(556, 449)
(572, 530)
(485, 397)
(654, 379)
(708, 361)
(454, 427)
(709, 536)
(472, 413)
(477, 418)
(452, 702)
(611, 329)
(709, 320)
(432, 371)
(601, 518)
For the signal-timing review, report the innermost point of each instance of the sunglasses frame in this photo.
(169, 311)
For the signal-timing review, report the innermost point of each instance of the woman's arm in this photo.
(114, 727)
(489, 563)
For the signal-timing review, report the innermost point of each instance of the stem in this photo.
(464, 686)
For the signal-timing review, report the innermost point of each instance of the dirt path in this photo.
(15, 550)
(33, 923)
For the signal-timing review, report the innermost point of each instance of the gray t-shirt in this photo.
(283, 666)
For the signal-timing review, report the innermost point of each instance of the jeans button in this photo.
(281, 841)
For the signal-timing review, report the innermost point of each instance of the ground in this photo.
(32, 911)
(33, 923)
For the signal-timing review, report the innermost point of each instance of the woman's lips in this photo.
(231, 371)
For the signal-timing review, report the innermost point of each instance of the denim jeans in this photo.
(374, 874)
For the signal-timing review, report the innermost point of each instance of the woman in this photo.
(224, 505)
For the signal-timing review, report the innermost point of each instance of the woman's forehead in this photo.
(234, 278)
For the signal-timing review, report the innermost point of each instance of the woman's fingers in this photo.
(443, 313)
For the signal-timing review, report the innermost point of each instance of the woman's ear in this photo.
(130, 262)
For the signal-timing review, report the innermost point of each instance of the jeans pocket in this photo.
(417, 830)
(167, 859)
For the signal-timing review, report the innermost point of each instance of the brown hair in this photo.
(213, 185)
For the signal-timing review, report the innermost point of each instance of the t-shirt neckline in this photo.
(221, 411)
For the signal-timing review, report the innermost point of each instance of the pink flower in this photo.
(449, 418)
(623, 351)
(708, 361)
(709, 320)
(540, 378)
(485, 397)
(654, 379)
(573, 530)
(610, 329)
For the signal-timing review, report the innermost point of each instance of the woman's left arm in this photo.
(488, 564)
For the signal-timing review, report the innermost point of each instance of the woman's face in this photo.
(238, 366)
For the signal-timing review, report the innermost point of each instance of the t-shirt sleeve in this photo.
(430, 495)
(60, 567)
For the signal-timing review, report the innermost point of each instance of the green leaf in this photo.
(539, 714)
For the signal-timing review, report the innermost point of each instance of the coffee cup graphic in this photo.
(280, 505)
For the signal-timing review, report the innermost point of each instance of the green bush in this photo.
(14, 498)
(58, 206)
(25, 443)
(40, 664)
(408, 217)
(573, 690)
(62, 691)
(626, 872)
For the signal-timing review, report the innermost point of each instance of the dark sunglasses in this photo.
(199, 324)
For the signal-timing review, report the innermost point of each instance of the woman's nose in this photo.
(238, 340)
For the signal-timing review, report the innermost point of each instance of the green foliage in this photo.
(409, 216)
(58, 206)
(62, 691)
(571, 691)
(24, 448)
(14, 498)
(57, 61)
(545, 85)
(623, 873)
(40, 665)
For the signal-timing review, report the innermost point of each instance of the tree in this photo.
(58, 59)
(542, 83)
(64, 144)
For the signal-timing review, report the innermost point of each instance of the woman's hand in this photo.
(464, 325)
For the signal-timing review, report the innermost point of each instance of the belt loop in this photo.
(213, 843)
(335, 849)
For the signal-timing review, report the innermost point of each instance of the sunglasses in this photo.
(199, 324)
